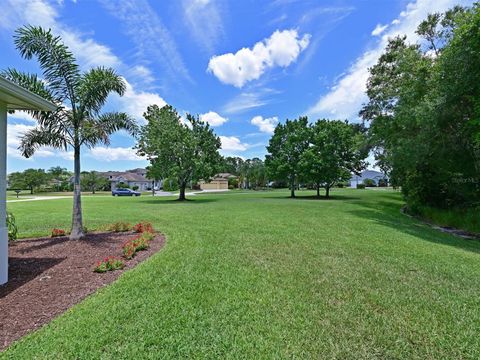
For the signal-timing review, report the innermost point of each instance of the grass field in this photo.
(259, 275)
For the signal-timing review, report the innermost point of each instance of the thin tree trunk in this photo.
(77, 221)
(292, 187)
(318, 190)
(181, 197)
(31, 190)
(327, 191)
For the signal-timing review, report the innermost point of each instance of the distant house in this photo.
(218, 182)
(376, 176)
(134, 177)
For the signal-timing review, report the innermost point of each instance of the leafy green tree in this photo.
(335, 151)
(423, 111)
(186, 152)
(93, 181)
(60, 177)
(28, 179)
(232, 165)
(256, 173)
(79, 98)
(285, 148)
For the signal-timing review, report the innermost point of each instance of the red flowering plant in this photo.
(142, 227)
(110, 263)
(140, 242)
(58, 232)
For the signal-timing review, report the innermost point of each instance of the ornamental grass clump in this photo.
(110, 263)
(120, 226)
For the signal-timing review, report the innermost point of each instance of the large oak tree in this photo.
(184, 151)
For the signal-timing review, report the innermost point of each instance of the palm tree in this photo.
(79, 96)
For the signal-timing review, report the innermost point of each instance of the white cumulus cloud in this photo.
(213, 118)
(135, 102)
(108, 154)
(230, 143)
(280, 49)
(14, 135)
(266, 125)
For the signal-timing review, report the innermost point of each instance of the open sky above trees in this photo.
(297, 58)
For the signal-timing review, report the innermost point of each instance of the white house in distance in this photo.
(135, 177)
(376, 176)
(12, 97)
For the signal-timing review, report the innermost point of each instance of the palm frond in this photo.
(98, 130)
(32, 83)
(34, 139)
(115, 121)
(57, 62)
(95, 86)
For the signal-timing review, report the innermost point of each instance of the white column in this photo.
(3, 195)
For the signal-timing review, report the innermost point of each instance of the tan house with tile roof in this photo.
(218, 182)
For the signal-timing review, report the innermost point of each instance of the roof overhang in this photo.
(18, 98)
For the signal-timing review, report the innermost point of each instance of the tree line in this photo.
(423, 111)
(55, 179)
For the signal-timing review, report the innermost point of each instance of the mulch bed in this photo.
(49, 275)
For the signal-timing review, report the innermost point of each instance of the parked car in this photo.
(125, 192)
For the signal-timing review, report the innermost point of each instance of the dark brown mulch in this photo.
(49, 275)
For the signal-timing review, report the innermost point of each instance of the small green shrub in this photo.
(369, 183)
(119, 226)
(135, 187)
(170, 184)
(122, 185)
(360, 186)
(383, 183)
(12, 227)
(233, 182)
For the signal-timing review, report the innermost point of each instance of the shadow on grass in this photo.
(318, 198)
(23, 270)
(323, 197)
(190, 200)
(387, 213)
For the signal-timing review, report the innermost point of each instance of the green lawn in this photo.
(259, 275)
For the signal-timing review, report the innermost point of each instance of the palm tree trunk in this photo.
(77, 221)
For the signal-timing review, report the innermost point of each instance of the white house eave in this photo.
(18, 98)
(12, 97)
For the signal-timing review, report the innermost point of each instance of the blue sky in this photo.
(243, 65)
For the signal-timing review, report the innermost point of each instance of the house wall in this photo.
(142, 185)
(215, 185)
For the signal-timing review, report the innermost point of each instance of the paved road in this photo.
(37, 198)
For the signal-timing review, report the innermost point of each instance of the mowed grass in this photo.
(259, 275)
